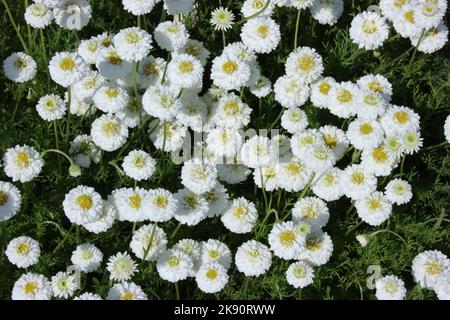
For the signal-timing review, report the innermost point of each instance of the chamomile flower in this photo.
(231, 112)
(300, 274)
(89, 50)
(84, 151)
(82, 205)
(398, 191)
(211, 277)
(294, 120)
(174, 265)
(365, 134)
(327, 11)
(131, 204)
(151, 71)
(428, 266)
(38, 15)
(77, 106)
(111, 65)
(261, 35)
(257, 152)
(369, 30)
(32, 286)
(197, 176)
(148, 242)
(174, 7)
(171, 35)
(22, 163)
(380, 161)
(67, 68)
(320, 91)
(139, 7)
(167, 136)
(87, 86)
(230, 72)
(428, 14)
(285, 241)
(88, 296)
(259, 7)
(23, 251)
(356, 183)
(105, 220)
(374, 209)
(162, 205)
(328, 185)
(299, 4)
(305, 140)
(19, 67)
(185, 71)
(64, 285)
(370, 105)
(233, 173)
(267, 177)
(304, 63)
(404, 23)
(87, 257)
(399, 119)
(390, 288)
(253, 258)
(312, 210)
(10, 200)
(377, 84)
(447, 129)
(192, 249)
(293, 175)
(215, 251)
(342, 99)
(193, 112)
(319, 158)
(224, 142)
(222, 19)
(411, 142)
(139, 165)
(240, 216)
(192, 208)
(392, 8)
(111, 98)
(432, 40)
(109, 133)
(317, 249)
(126, 291)
(442, 286)
(121, 267)
(162, 102)
(72, 14)
(132, 44)
(262, 87)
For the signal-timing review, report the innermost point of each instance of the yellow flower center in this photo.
(369, 26)
(239, 212)
(67, 64)
(160, 201)
(20, 63)
(399, 188)
(357, 178)
(432, 32)
(433, 267)
(374, 204)
(253, 253)
(344, 96)
(258, 4)
(263, 31)
(379, 154)
(401, 117)
(139, 161)
(224, 136)
(90, 83)
(106, 42)
(31, 287)
(92, 47)
(305, 63)
(307, 140)
(375, 86)
(191, 201)
(132, 37)
(324, 87)
(173, 261)
(299, 272)
(371, 99)
(287, 238)
(87, 255)
(186, 66)
(23, 159)
(231, 108)
(114, 58)
(85, 202)
(127, 296)
(330, 141)
(230, 67)
(38, 9)
(409, 16)
(366, 128)
(329, 179)
(3, 198)
(211, 274)
(400, 3)
(313, 244)
(23, 248)
(214, 254)
(135, 201)
(167, 130)
(112, 92)
(111, 128)
(309, 212)
(390, 286)
(192, 50)
(151, 69)
(294, 168)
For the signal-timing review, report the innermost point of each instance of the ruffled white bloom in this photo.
(185, 71)
(83, 151)
(257, 7)
(196, 49)
(197, 176)
(23, 252)
(370, 105)
(328, 186)
(428, 14)
(22, 163)
(191, 248)
(151, 71)
(240, 216)
(77, 106)
(64, 285)
(192, 208)
(132, 44)
(171, 35)
(293, 175)
(126, 291)
(257, 152)
(304, 63)
(356, 183)
(224, 142)
(261, 35)
(335, 139)
(302, 141)
(399, 119)
(432, 40)
(442, 286)
(230, 72)
(447, 129)
(19, 67)
(111, 65)
(38, 15)
(174, 265)
(317, 249)
(233, 173)
(327, 11)
(67, 68)
(216, 251)
(253, 258)
(193, 112)
(231, 112)
(320, 92)
(162, 205)
(148, 242)
(10, 200)
(285, 241)
(390, 288)
(211, 277)
(139, 165)
(300, 274)
(131, 204)
(374, 209)
(88, 296)
(222, 19)
(369, 30)
(365, 134)
(72, 14)
(411, 142)
(174, 7)
(109, 133)
(392, 8)
(380, 161)
(167, 136)
(89, 50)
(82, 205)
(267, 177)
(376, 83)
(139, 7)
(299, 4)
(398, 191)
(121, 267)
(105, 221)
(32, 286)
(312, 210)
(404, 23)
(262, 87)
(294, 120)
(319, 158)
(111, 98)
(342, 99)
(84, 89)
(428, 266)
(291, 92)
(162, 102)
(87, 257)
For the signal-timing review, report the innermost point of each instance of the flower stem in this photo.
(16, 28)
(391, 232)
(18, 97)
(224, 40)
(69, 102)
(58, 152)
(177, 291)
(297, 26)
(55, 128)
(44, 51)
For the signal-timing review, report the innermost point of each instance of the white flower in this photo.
(370, 104)
(231, 112)
(356, 183)
(299, 4)
(216, 251)
(267, 177)
(429, 14)
(230, 72)
(320, 91)
(293, 175)
(32, 286)
(300, 274)
(196, 49)
(342, 99)
(398, 191)
(380, 161)
(374, 209)
(121, 267)
(162, 102)
(404, 23)
(433, 39)
(139, 7)
(369, 30)
(335, 139)
(139, 165)
(83, 151)
(111, 65)
(197, 176)
(294, 120)
(174, 7)
(285, 241)
(257, 152)
(240, 216)
(10, 200)
(317, 249)
(392, 8)
(151, 71)
(126, 291)
(312, 210)
(192, 208)
(427, 266)
(222, 19)
(442, 286)
(399, 119)
(192, 249)
(256, 7)
(82, 205)
(304, 63)
(85, 88)
(290, 91)
(411, 142)
(89, 50)
(365, 134)
(131, 204)
(447, 128)
(22, 163)
(224, 142)
(64, 285)
(390, 288)
(376, 83)
(51, 107)
(23, 252)
(327, 11)
(174, 265)
(19, 67)
(185, 71)
(211, 277)
(72, 14)
(109, 133)
(193, 112)
(133, 44)
(261, 35)
(167, 136)
(233, 173)
(148, 242)
(38, 15)
(105, 221)
(253, 258)
(88, 296)
(162, 205)
(87, 257)
(328, 186)
(171, 35)
(262, 87)
(111, 98)
(77, 106)
(67, 68)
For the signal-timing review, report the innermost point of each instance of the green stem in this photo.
(266, 204)
(391, 232)
(415, 49)
(55, 128)
(402, 165)
(43, 48)
(18, 97)
(177, 291)
(69, 102)
(308, 186)
(19, 35)
(175, 231)
(149, 245)
(30, 40)
(58, 152)
(297, 26)
(224, 40)
(436, 146)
